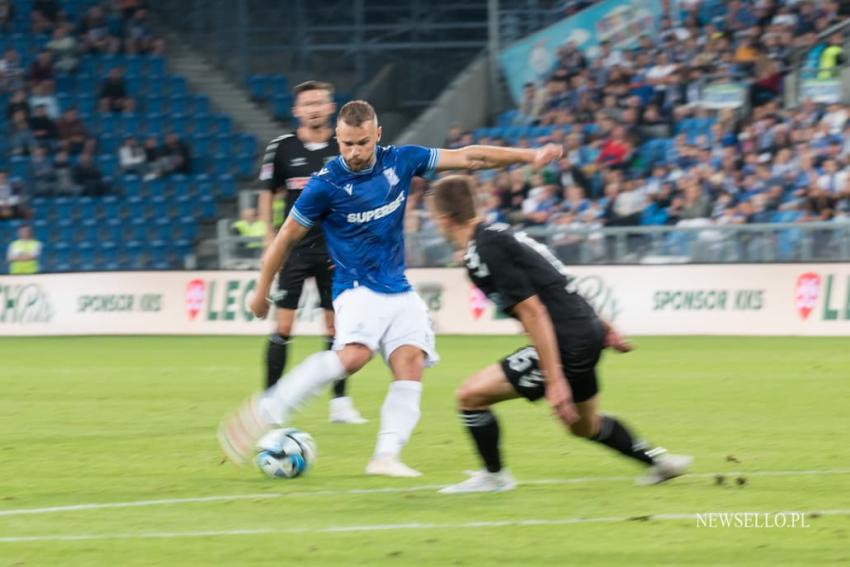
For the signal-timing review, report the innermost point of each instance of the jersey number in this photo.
(522, 362)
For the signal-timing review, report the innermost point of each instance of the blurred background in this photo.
(694, 131)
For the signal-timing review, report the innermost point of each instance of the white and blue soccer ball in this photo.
(285, 453)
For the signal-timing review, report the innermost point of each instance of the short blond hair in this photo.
(357, 112)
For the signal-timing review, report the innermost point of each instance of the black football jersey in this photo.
(509, 267)
(287, 166)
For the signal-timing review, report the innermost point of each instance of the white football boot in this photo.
(483, 481)
(666, 467)
(342, 410)
(390, 465)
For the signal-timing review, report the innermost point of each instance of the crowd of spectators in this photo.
(61, 150)
(641, 149)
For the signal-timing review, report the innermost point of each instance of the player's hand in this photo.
(546, 154)
(561, 401)
(616, 341)
(259, 305)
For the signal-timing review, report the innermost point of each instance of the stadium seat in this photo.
(226, 187)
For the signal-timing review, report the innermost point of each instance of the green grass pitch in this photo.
(129, 420)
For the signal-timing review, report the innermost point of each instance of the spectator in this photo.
(832, 57)
(833, 180)
(132, 157)
(20, 136)
(11, 72)
(88, 177)
(93, 31)
(7, 14)
(63, 48)
(42, 95)
(64, 174)
(42, 173)
(45, 15)
(23, 253)
(113, 93)
(249, 226)
(139, 38)
(41, 69)
(531, 105)
(72, 130)
(176, 157)
(694, 203)
(10, 202)
(43, 128)
(18, 103)
(615, 150)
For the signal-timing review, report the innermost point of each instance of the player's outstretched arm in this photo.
(273, 259)
(489, 157)
(536, 320)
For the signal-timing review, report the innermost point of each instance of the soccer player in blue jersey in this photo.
(359, 200)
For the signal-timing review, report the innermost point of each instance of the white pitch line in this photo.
(530, 522)
(385, 490)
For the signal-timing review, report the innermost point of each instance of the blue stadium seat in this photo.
(177, 86)
(108, 164)
(155, 66)
(110, 231)
(224, 144)
(200, 104)
(157, 208)
(156, 188)
(185, 206)
(179, 124)
(178, 104)
(179, 185)
(19, 167)
(185, 229)
(221, 164)
(200, 144)
(154, 105)
(132, 186)
(64, 230)
(224, 123)
(248, 144)
(226, 186)
(244, 166)
(207, 207)
(135, 208)
(134, 65)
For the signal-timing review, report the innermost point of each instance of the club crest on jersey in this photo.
(348, 188)
(392, 178)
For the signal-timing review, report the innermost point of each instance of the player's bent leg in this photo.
(474, 398)
(278, 345)
(239, 432)
(613, 433)
(399, 412)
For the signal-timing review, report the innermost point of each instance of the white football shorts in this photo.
(383, 322)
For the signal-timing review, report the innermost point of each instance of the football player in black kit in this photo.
(525, 280)
(288, 163)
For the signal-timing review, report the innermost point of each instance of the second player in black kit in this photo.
(526, 281)
(289, 162)
(509, 268)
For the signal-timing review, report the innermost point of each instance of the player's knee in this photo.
(469, 398)
(354, 357)
(284, 329)
(583, 428)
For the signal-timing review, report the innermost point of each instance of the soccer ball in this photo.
(285, 453)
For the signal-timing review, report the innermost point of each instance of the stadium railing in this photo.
(773, 242)
(745, 243)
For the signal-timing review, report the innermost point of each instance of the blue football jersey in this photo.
(362, 216)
